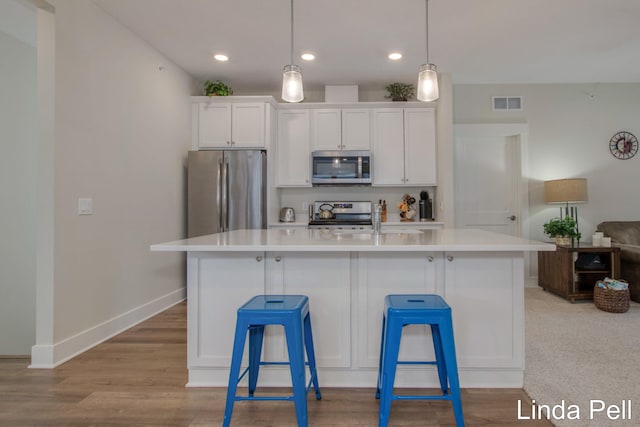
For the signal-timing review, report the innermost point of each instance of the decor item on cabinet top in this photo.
(564, 230)
(400, 91)
(407, 211)
(217, 88)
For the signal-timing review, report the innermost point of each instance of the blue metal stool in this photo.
(292, 312)
(402, 310)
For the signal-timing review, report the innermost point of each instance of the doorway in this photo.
(490, 189)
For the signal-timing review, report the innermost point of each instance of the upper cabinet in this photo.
(404, 147)
(341, 129)
(228, 124)
(294, 143)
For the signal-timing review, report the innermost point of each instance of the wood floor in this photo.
(137, 379)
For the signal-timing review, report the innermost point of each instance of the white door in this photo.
(488, 182)
(294, 143)
(247, 125)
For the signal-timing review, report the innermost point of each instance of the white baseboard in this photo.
(531, 282)
(50, 356)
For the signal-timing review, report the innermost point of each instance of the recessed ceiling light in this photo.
(221, 57)
(394, 56)
(308, 56)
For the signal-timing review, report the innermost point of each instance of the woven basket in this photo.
(611, 300)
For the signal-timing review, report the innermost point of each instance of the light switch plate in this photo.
(85, 206)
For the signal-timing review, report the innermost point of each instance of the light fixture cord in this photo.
(426, 13)
(291, 32)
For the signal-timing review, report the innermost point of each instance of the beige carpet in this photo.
(579, 354)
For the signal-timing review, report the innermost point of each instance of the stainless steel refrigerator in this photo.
(226, 190)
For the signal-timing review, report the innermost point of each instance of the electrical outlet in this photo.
(305, 206)
(85, 206)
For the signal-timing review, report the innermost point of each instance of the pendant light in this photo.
(292, 76)
(427, 76)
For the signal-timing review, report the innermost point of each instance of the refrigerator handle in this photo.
(224, 218)
(219, 194)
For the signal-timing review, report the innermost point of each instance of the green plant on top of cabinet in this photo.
(404, 147)
(230, 124)
(341, 129)
(293, 148)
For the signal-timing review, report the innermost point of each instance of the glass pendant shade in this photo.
(292, 84)
(427, 83)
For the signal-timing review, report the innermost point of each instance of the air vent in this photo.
(506, 103)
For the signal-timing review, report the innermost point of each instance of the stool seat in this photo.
(417, 309)
(292, 312)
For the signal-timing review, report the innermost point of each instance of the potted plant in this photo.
(400, 91)
(563, 229)
(216, 88)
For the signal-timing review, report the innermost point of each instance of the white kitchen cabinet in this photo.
(241, 276)
(404, 147)
(486, 285)
(341, 129)
(231, 125)
(325, 279)
(382, 274)
(294, 148)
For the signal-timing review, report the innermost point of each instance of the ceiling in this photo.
(475, 41)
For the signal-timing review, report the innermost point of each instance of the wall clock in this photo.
(623, 145)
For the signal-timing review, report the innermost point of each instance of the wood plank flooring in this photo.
(137, 379)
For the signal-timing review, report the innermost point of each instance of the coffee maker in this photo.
(425, 207)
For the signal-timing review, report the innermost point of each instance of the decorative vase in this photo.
(563, 241)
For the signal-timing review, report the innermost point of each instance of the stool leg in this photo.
(389, 361)
(295, 341)
(234, 372)
(382, 335)
(256, 333)
(440, 360)
(311, 355)
(449, 351)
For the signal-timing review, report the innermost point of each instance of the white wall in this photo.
(122, 131)
(18, 145)
(569, 130)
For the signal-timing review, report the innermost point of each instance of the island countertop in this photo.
(322, 240)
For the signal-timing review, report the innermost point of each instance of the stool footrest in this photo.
(426, 397)
(417, 363)
(289, 398)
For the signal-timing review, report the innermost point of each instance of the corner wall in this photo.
(122, 131)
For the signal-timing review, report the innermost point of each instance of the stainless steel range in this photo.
(341, 214)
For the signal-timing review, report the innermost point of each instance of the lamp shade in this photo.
(572, 190)
(292, 84)
(427, 83)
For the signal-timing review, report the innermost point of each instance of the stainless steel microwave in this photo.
(348, 167)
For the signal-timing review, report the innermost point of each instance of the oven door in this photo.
(341, 167)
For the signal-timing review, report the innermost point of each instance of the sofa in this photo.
(626, 235)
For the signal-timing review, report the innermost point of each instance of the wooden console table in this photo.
(557, 270)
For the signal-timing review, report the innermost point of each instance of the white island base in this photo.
(346, 276)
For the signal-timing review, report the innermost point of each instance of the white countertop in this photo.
(302, 239)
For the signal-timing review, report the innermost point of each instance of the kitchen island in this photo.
(346, 274)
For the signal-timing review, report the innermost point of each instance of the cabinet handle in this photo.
(449, 258)
(258, 258)
(278, 259)
(430, 258)
(228, 142)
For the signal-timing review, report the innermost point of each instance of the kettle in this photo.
(287, 215)
(326, 211)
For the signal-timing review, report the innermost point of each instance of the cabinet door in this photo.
(214, 125)
(294, 156)
(420, 146)
(247, 126)
(219, 283)
(485, 292)
(356, 129)
(325, 278)
(327, 125)
(388, 146)
(392, 273)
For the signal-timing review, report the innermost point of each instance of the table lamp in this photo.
(566, 191)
